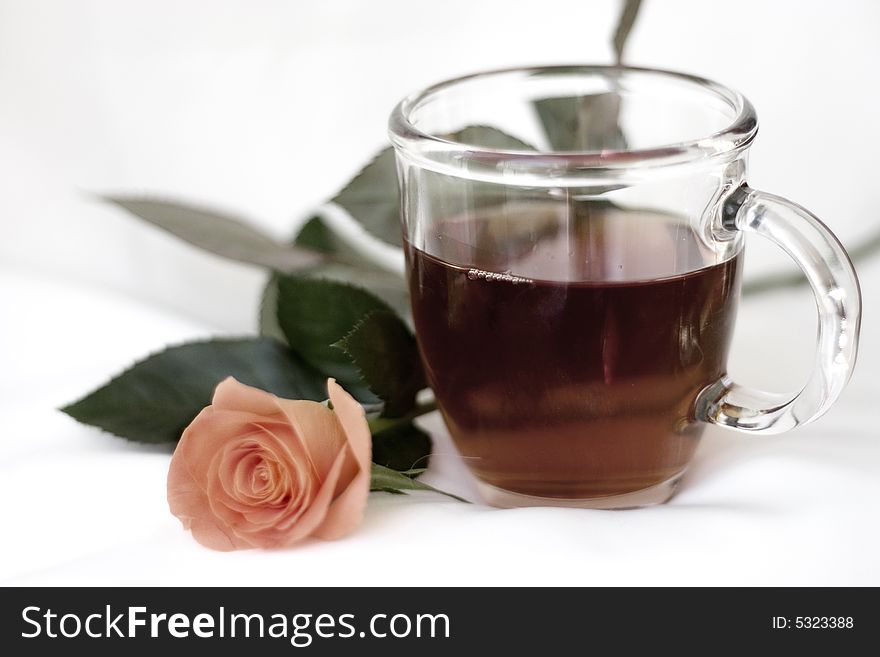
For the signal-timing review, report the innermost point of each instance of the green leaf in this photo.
(153, 401)
(390, 288)
(385, 353)
(386, 286)
(402, 447)
(315, 235)
(392, 481)
(590, 123)
(485, 136)
(220, 234)
(343, 260)
(345, 265)
(268, 312)
(372, 197)
(341, 265)
(582, 123)
(316, 313)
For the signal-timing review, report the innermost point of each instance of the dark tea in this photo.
(572, 371)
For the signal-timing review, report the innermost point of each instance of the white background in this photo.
(265, 108)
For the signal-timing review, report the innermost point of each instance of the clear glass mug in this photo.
(574, 241)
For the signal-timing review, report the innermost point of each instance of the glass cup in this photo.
(574, 239)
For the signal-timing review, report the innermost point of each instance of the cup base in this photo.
(656, 494)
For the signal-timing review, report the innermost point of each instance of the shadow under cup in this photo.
(573, 284)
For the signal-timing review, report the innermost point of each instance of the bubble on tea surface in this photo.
(491, 276)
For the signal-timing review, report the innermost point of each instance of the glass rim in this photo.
(431, 149)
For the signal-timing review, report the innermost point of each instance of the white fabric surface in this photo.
(267, 108)
(82, 507)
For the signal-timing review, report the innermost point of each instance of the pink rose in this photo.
(254, 470)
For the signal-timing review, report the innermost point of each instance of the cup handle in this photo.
(836, 288)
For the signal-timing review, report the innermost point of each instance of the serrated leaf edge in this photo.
(341, 345)
(187, 343)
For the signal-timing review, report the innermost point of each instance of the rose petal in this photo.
(347, 510)
(232, 395)
(208, 433)
(317, 512)
(319, 430)
(275, 537)
(254, 470)
(243, 453)
(189, 502)
(287, 450)
(253, 479)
